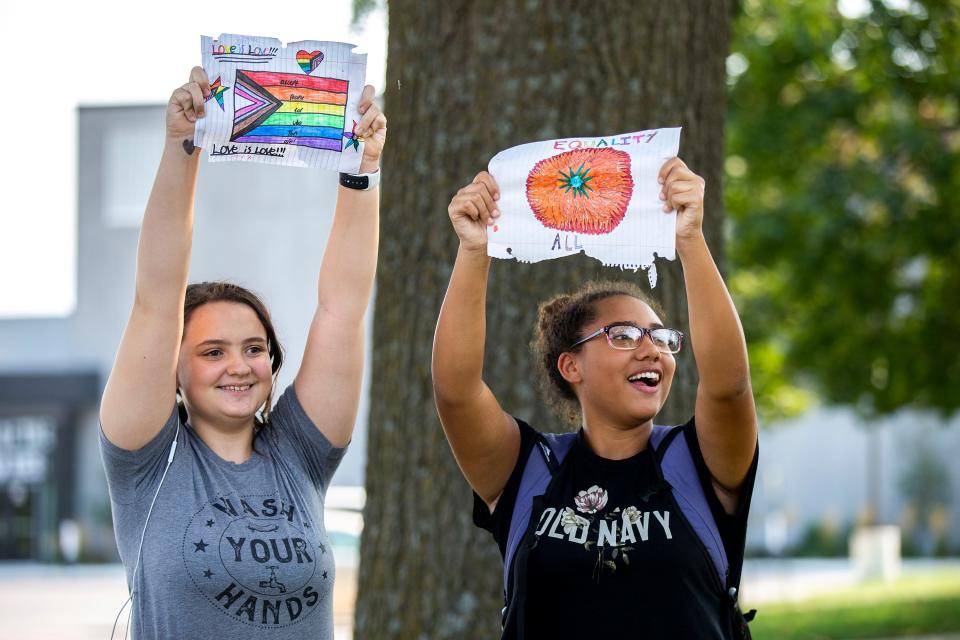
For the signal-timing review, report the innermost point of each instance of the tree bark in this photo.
(465, 80)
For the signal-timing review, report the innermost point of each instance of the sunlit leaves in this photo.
(842, 172)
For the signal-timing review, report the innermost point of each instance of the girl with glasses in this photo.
(217, 495)
(628, 528)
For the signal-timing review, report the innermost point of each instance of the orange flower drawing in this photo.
(582, 191)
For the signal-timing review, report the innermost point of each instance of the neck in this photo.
(614, 442)
(231, 441)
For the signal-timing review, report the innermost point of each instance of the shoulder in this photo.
(132, 472)
(290, 434)
(288, 409)
(153, 448)
(689, 461)
(289, 419)
(500, 516)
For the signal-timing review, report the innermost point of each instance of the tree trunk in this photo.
(465, 80)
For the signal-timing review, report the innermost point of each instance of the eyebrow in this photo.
(215, 342)
(653, 325)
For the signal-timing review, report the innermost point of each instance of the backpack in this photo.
(679, 472)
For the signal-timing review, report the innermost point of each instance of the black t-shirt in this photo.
(614, 552)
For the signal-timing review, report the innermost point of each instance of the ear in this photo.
(569, 367)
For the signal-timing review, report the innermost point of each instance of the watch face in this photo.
(351, 181)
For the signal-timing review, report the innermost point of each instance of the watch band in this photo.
(360, 181)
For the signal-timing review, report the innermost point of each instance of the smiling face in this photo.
(621, 388)
(224, 368)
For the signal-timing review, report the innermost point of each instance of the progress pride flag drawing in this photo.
(290, 105)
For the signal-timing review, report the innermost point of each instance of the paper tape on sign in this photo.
(599, 196)
(290, 105)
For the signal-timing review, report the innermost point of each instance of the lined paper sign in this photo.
(289, 105)
(596, 195)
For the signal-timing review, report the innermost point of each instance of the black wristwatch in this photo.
(360, 181)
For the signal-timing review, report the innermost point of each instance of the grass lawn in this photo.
(919, 604)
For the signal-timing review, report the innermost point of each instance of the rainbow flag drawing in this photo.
(288, 108)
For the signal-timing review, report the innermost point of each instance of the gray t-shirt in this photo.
(231, 550)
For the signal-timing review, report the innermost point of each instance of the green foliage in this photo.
(926, 485)
(823, 540)
(842, 174)
(362, 8)
(918, 605)
(926, 482)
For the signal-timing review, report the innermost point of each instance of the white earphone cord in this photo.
(136, 567)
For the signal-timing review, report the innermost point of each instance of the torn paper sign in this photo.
(596, 195)
(291, 105)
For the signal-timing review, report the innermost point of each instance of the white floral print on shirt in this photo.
(592, 500)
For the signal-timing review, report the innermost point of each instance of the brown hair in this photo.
(560, 322)
(201, 293)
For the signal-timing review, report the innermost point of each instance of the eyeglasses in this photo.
(628, 337)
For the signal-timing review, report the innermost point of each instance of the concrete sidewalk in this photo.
(48, 602)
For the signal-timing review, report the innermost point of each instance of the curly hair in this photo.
(560, 321)
(201, 293)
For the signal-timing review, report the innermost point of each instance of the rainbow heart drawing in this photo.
(309, 60)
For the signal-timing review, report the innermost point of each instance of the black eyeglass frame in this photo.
(644, 331)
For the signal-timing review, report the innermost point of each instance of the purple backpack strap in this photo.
(676, 463)
(548, 451)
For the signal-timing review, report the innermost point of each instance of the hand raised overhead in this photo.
(683, 190)
(373, 129)
(474, 208)
(186, 105)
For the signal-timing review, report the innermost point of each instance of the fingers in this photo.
(366, 98)
(681, 186)
(183, 98)
(682, 193)
(465, 204)
(199, 76)
(486, 179)
(669, 166)
(686, 199)
(197, 96)
(379, 124)
(672, 189)
(484, 191)
(475, 201)
(372, 119)
(476, 196)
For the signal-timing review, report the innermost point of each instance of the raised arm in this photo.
(484, 438)
(725, 412)
(142, 386)
(329, 380)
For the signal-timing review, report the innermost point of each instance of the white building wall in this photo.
(814, 469)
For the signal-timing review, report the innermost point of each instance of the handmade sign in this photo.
(596, 195)
(289, 105)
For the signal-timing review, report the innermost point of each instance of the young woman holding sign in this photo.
(218, 499)
(639, 529)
